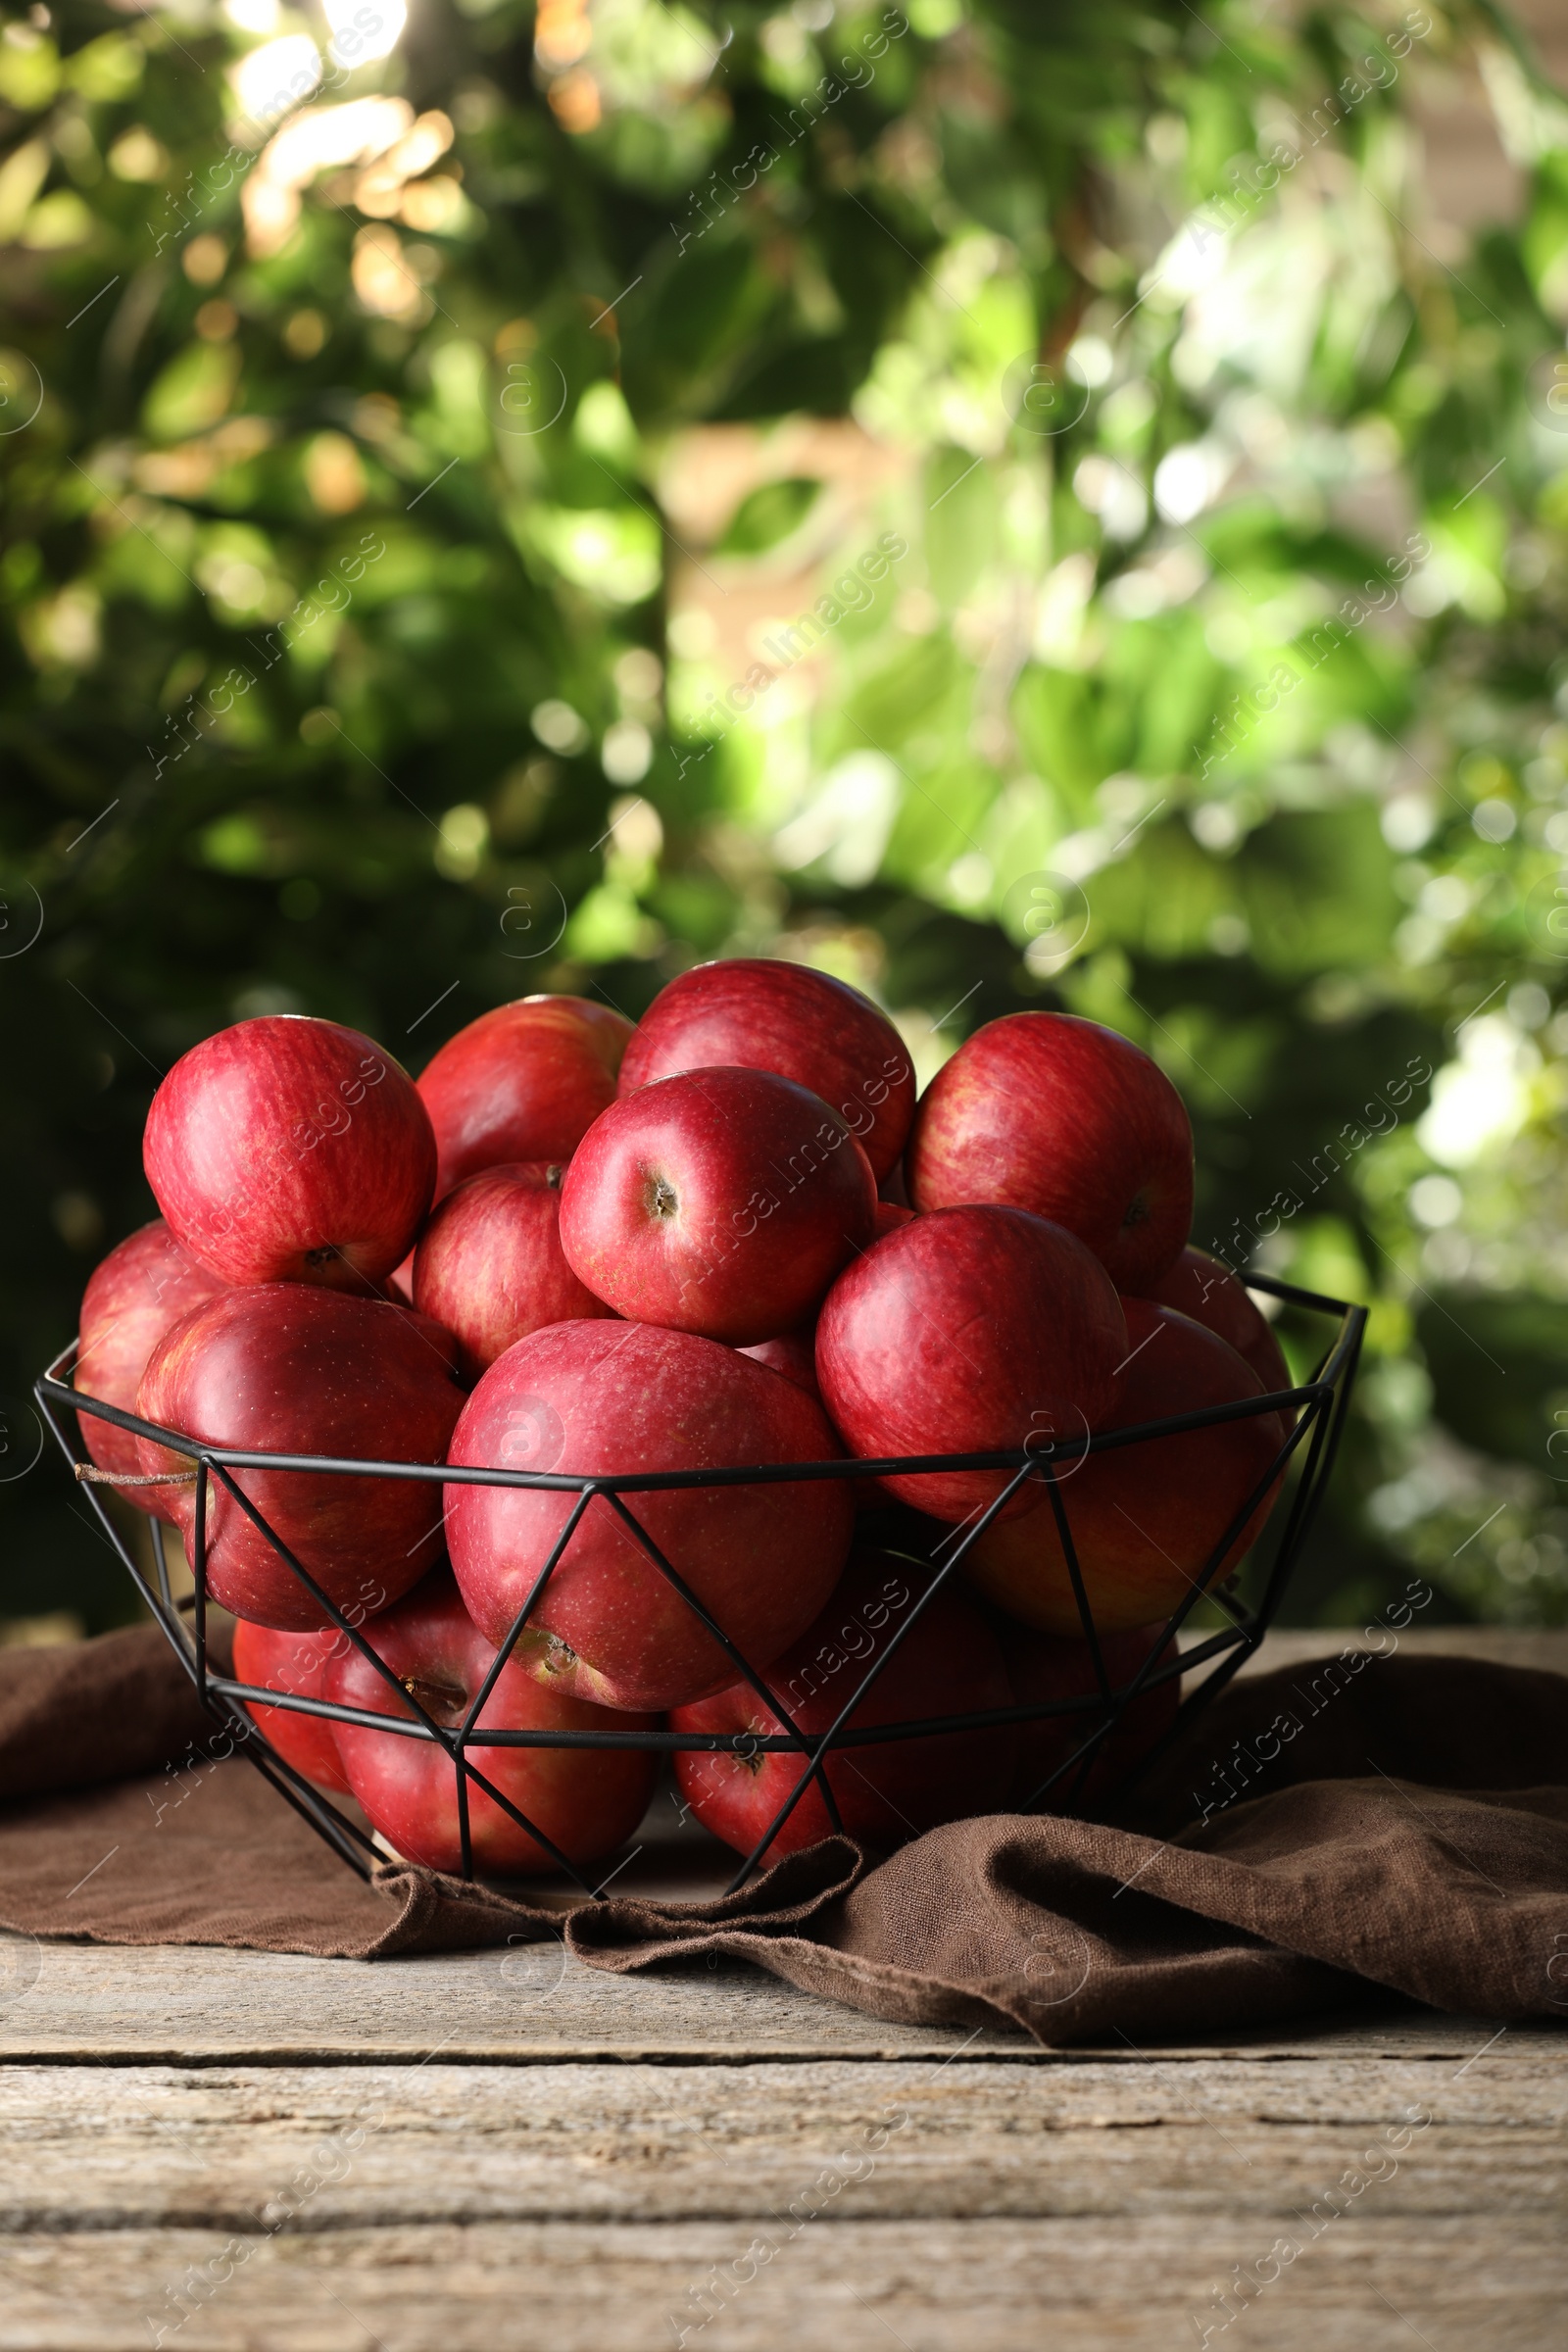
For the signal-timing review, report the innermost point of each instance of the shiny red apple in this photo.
(291, 1149)
(967, 1331)
(586, 1801)
(1045, 1111)
(723, 1202)
(1144, 1517)
(523, 1082)
(949, 1663)
(489, 1264)
(755, 1012)
(287, 1368)
(593, 1399)
(1061, 1666)
(146, 1283)
(296, 1663)
(1199, 1286)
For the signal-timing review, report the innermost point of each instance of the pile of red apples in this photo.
(727, 1237)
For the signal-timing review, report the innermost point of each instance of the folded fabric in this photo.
(1398, 1822)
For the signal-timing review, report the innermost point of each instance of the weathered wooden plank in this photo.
(949, 2205)
(193, 2005)
(329, 2149)
(102, 2003)
(1004, 2285)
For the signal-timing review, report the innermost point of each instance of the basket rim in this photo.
(1056, 1449)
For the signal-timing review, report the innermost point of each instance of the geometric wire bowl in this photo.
(1321, 1403)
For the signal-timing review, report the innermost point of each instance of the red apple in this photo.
(758, 1013)
(1199, 1286)
(607, 1398)
(489, 1264)
(950, 1663)
(1056, 1666)
(967, 1331)
(524, 1082)
(1143, 1518)
(585, 1800)
(146, 1283)
(296, 1663)
(1044, 1112)
(890, 1215)
(286, 1368)
(291, 1149)
(721, 1202)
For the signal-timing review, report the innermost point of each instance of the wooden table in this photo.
(506, 2152)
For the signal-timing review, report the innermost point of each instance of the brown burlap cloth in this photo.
(1410, 1833)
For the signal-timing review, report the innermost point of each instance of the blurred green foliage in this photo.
(395, 505)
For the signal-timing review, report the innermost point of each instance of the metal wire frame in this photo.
(1321, 1405)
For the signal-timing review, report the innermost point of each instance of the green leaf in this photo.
(192, 391)
(768, 515)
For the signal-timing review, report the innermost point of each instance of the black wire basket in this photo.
(1320, 1407)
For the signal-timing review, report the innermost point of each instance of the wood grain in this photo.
(394, 2148)
(941, 2206)
(1371, 2284)
(105, 2002)
(184, 2006)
